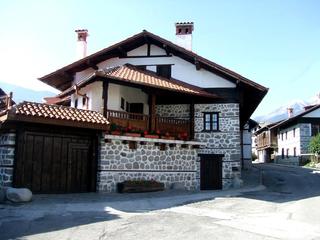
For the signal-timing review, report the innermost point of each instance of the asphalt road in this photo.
(289, 208)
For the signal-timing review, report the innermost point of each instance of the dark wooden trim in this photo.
(148, 49)
(92, 65)
(197, 64)
(227, 95)
(205, 154)
(151, 56)
(105, 87)
(122, 52)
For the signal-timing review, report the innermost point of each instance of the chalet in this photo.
(266, 143)
(294, 135)
(143, 108)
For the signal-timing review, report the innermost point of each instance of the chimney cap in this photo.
(82, 34)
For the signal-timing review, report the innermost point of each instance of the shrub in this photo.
(314, 145)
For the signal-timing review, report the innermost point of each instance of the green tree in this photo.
(314, 145)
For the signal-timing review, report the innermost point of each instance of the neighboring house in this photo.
(5, 100)
(144, 82)
(294, 135)
(266, 143)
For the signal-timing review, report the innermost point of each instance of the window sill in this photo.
(208, 131)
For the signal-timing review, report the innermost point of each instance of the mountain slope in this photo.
(25, 94)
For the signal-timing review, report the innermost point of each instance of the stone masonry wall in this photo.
(226, 141)
(176, 111)
(118, 163)
(7, 148)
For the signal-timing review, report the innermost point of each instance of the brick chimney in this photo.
(184, 34)
(82, 35)
(290, 112)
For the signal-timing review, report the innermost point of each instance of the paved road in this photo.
(289, 208)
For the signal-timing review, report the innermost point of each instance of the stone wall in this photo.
(175, 111)
(7, 148)
(226, 141)
(118, 163)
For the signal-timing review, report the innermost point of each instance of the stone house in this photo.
(294, 135)
(181, 116)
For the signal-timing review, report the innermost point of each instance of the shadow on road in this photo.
(285, 184)
(18, 228)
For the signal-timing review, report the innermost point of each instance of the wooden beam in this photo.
(123, 53)
(92, 65)
(165, 47)
(105, 88)
(197, 63)
(152, 111)
(192, 120)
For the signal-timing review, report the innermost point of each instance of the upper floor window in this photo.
(211, 121)
(286, 135)
(76, 103)
(294, 132)
(164, 71)
(282, 136)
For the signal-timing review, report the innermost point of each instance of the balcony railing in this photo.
(173, 126)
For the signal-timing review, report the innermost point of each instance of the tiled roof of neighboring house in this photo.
(132, 74)
(292, 119)
(56, 115)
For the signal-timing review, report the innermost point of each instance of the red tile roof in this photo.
(132, 74)
(57, 115)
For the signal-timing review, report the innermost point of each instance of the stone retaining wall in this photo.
(7, 148)
(118, 163)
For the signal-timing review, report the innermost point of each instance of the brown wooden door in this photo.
(210, 172)
(55, 163)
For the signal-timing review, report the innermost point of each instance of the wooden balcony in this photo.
(144, 122)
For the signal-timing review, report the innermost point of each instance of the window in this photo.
(287, 155)
(211, 121)
(294, 132)
(85, 100)
(76, 103)
(122, 103)
(164, 71)
(315, 129)
(282, 153)
(281, 136)
(294, 151)
(286, 135)
(127, 107)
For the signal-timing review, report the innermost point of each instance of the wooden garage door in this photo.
(55, 163)
(210, 171)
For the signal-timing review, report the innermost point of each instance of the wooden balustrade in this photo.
(173, 126)
(125, 119)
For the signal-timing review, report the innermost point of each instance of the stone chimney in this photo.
(184, 34)
(82, 35)
(290, 112)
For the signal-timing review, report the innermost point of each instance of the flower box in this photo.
(138, 186)
(151, 136)
(115, 133)
(133, 134)
(168, 138)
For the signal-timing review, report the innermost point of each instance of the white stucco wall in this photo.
(94, 93)
(181, 69)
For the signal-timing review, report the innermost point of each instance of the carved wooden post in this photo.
(105, 87)
(152, 112)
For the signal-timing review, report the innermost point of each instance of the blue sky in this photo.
(275, 43)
